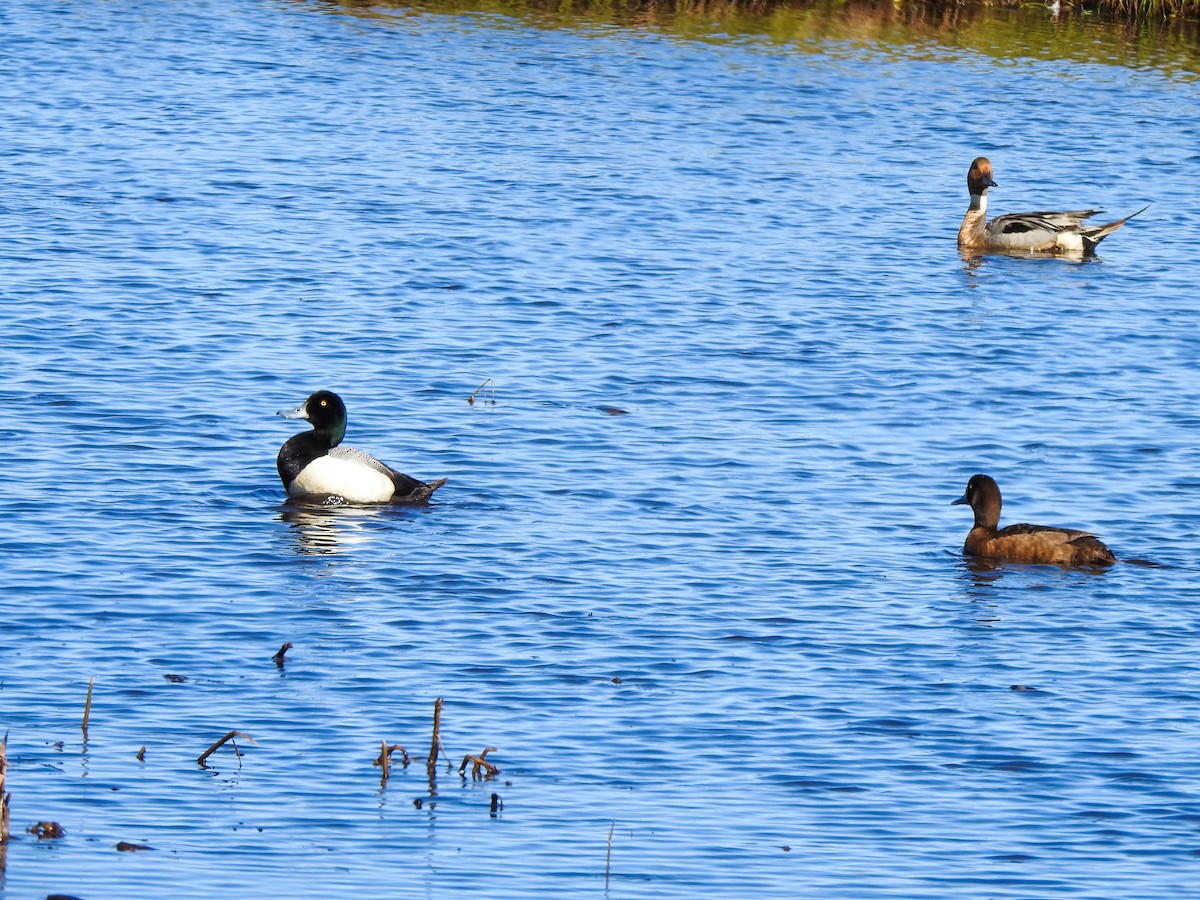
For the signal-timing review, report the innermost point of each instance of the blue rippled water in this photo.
(695, 575)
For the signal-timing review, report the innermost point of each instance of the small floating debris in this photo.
(614, 410)
(278, 657)
(47, 830)
(126, 847)
(228, 737)
(141, 754)
(497, 804)
(175, 679)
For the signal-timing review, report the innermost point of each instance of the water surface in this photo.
(695, 574)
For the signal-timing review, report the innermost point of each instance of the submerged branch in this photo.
(228, 737)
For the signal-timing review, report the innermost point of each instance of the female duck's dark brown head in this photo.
(1023, 542)
(983, 496)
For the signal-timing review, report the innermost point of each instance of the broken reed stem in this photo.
(229, 737)
(388, 750)
(87, 707)
(471, 399)
(608, 856)
(384, 759)
(437, 740)
(481, 769)
(4, 795)
(278, 657)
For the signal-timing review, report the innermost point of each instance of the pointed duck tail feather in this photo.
(423, 492)
(1095, 235)
(418, 491)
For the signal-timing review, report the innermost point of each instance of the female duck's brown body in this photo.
(1025, 543)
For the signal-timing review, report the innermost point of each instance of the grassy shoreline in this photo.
(633, 11)
(1160, 34)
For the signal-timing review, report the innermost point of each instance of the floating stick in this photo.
(141, 754)
(87, 707)
(383, 764)
(229, 737)
(608, 856)
(4, 795)
(437, 741)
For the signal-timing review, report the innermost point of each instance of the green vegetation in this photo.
(1156, 33)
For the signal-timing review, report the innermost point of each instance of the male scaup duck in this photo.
(1024, 543)
(311, 464)
(1047, 233)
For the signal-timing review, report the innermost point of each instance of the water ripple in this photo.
(695, 574)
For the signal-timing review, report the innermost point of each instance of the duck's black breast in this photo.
(297, 452)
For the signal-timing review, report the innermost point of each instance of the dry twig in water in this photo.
(4, 795)
(87, 707)
(229, 737)
(384, 759)
(431, 765)
(471, 399)
(608, 856)
(278, 657)
(388, 750)
(481, 769)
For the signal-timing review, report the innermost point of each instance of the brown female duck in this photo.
(1024, 543)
